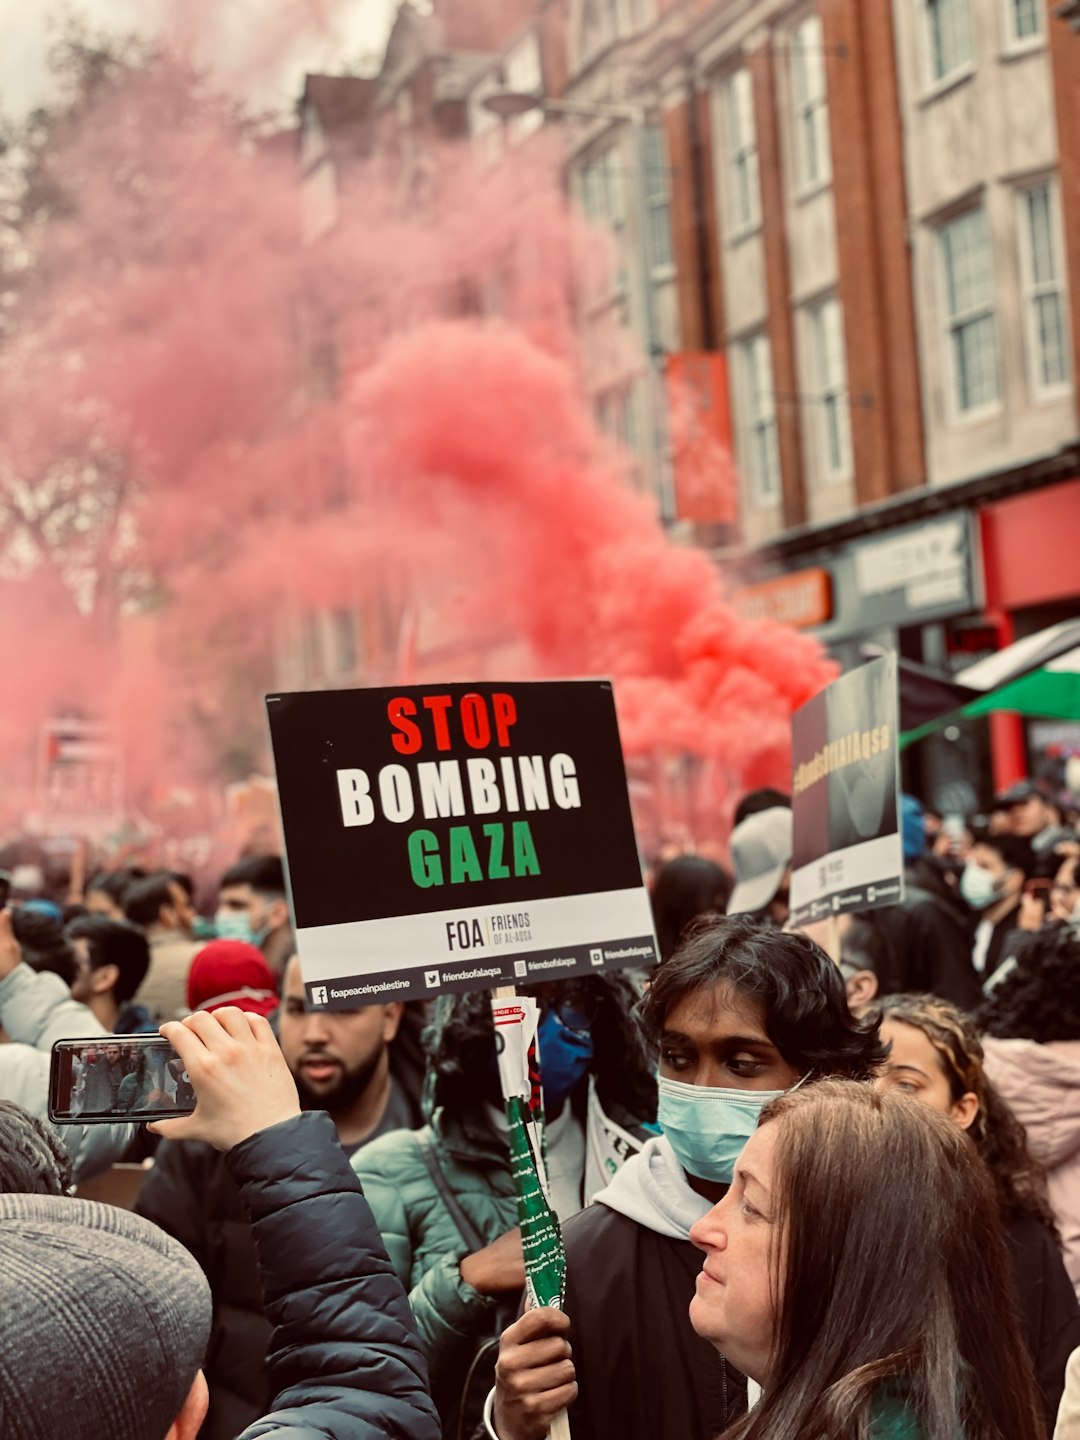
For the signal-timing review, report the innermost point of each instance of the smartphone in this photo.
(117, 1078)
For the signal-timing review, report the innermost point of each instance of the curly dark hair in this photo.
(999, 1137)
(1040, 999)
(800, 991)
(460, 1046)
(33, 1161)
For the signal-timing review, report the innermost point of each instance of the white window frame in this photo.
(631, 17)
(934, 82)
(828, 389)
(809, 90)
(661, 257)
(601, 176)
(758, 432)
(599, 26)
(1014, 43)
(740, 152)
(954, 324)
(1033, 290)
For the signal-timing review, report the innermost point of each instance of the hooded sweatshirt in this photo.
(1042, 1086)
(652, 1189)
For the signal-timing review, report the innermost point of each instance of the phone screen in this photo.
(117, 1078)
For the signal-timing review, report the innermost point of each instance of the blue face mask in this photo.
(708, 1127)
(565, 1056)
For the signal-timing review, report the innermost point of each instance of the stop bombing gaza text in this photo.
(515, 783)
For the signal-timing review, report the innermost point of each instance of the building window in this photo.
(810, 106)
(1044, 302)
(968, 275)
(757, 403)
(831, 408)
(948, 37)
(657, 200)
(603, 197)
(740, 133)
(605, 21)
(1023, 20)
(617, 416)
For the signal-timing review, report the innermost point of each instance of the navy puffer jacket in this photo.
(344, 1360)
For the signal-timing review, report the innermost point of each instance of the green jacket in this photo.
(423, 1242)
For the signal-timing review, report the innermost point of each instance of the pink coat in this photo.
(1042, 1085)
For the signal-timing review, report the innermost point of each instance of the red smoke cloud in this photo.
(208, 425)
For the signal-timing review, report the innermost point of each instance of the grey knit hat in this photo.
(104, 1321)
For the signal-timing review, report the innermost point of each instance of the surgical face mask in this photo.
(565, 1056)
(236, 925)
(978, 887)
(708, 1126)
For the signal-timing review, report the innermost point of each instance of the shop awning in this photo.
(1050, 688)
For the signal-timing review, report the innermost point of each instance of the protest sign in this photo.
(847, 849)
(456, 837)
(80, 780)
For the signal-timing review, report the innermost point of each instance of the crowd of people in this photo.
(803, 1195)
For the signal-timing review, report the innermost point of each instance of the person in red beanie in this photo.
(231, 972)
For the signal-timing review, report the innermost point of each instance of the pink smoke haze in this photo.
(208, 424)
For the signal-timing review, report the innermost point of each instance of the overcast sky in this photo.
(358, 29)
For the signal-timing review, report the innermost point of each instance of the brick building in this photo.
(873, 217)
(858, 221)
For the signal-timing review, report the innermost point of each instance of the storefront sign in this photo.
(902, 577)
(803, 599)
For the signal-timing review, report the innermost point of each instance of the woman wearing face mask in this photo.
(738, 1015)
(444, 1196)
(935, 1057)
(856, 1270)
(1031, 1035)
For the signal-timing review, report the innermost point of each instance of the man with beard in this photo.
(340, 1062)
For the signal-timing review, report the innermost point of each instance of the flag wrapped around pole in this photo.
(516, 1020)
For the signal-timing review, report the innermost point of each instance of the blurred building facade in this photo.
(841, 338)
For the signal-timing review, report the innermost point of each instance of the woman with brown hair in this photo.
(856, 1269)
(936, 1057)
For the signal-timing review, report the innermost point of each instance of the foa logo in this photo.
(465, 935)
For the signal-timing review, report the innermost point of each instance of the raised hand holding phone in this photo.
(241, 1081)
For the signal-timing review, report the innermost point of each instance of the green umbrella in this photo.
(1052, 692)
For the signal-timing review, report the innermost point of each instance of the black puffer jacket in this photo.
(345, 1362)
(190, 1192)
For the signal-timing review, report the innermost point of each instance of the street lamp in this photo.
(510, 105)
